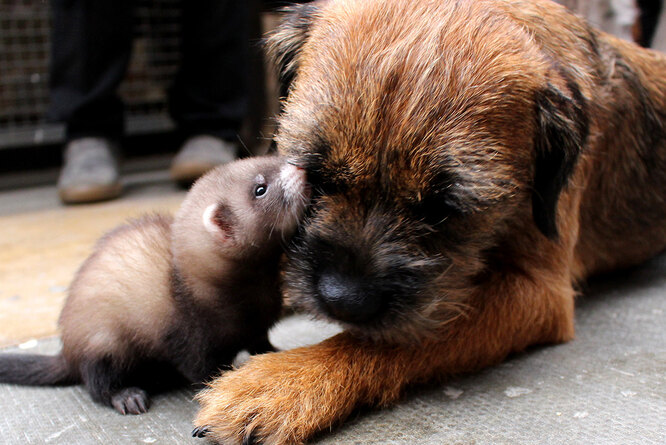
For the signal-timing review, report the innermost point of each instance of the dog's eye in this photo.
(435, 209)
(260, 190)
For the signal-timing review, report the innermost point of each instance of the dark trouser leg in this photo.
(648, 19)
(210, 91)
(91, 44)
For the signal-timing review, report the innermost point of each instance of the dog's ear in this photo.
(562, 128)
(284, 44)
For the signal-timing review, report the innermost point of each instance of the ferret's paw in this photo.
(131, 401)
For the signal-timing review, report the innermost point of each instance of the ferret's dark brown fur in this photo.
(161, 294)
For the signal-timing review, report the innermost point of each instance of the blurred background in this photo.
(24, 59)
(31, 144)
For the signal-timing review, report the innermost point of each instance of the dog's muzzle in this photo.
(358, 269)
(346, 298)
(359, 285)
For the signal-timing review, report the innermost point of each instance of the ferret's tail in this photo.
(36, 370)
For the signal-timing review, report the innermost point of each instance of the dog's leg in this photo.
(286, 397)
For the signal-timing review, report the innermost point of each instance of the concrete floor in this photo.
(606, 387)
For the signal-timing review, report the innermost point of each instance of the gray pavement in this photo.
(606, 387)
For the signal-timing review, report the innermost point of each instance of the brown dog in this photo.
(474, 159)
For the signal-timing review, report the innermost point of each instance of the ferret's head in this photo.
(240, 210)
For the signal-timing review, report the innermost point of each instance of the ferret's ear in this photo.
(219, 220)
(284, 44)
(561, 131)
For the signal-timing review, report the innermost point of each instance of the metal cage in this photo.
(24, 58)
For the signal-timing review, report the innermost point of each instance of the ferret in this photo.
(163, 296)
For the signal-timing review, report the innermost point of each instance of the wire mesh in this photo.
(24, 58)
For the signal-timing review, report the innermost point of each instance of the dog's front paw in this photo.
(200, 431)
(278, 398)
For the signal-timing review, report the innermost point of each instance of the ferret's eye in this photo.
(260, 190)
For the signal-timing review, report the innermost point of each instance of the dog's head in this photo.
(426, 129)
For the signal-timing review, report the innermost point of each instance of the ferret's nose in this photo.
(291, 171)
(294, 180)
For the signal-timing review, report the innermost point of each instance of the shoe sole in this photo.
(88, 194)
(188, 172)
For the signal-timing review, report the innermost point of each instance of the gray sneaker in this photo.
(200, 154)
(90, 171)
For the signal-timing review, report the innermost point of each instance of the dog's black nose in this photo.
(347, 299)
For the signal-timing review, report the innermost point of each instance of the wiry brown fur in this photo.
(473, 161)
